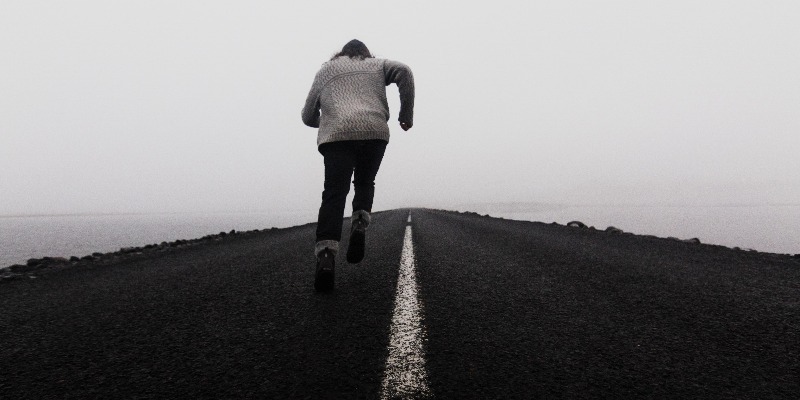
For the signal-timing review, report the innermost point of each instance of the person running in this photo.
(347, 102)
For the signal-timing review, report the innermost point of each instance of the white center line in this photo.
(405, 375)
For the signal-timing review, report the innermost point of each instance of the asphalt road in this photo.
(509, 310)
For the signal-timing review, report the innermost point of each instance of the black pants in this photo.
(342, 160)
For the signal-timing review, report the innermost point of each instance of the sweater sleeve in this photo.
(400, 74)
(310, 113)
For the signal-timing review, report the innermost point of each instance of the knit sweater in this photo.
(351, 95)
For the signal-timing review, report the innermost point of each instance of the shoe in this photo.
(323, 278)
(358, 239)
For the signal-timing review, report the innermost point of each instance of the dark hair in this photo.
(354, 49)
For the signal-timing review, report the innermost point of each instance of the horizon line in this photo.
(454, 206)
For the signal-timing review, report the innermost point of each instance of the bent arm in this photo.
(400, 74)
(310, 113)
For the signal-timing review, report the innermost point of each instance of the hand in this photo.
(405, 126)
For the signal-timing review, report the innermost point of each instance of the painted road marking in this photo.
(405, 375)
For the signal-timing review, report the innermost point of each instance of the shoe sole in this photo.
(355, 248)
(323, 280)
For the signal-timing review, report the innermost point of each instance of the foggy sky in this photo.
(152, 106)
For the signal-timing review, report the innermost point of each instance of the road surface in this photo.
(506, 309)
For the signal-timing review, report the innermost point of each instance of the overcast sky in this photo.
(140, 106)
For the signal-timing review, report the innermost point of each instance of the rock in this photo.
(9, 277)
(612, 229)
(576, 224)
(692, 241)
(19, 267)
(33, 261)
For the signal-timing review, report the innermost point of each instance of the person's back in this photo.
(351, 94)
(347, 102)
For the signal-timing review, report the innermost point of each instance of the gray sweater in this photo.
(351, 94)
